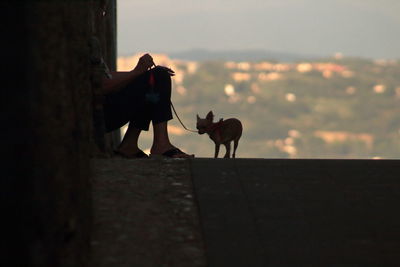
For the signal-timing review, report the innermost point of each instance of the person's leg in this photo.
(129, 145)
(128, 106)
(161, 114)
(161, 142)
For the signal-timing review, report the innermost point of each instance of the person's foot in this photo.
(131, 154)
(170, 152)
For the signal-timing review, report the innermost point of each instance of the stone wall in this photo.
(47, 116)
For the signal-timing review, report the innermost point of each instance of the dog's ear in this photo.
(198, 117)
(210, 116)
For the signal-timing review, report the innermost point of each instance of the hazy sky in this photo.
(367, 28)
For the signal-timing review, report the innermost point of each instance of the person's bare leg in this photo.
(161, 142)
(129, 144)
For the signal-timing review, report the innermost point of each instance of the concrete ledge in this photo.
(261, 212)
(144, 214)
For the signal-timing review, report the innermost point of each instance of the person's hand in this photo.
(145, 62)
(168, 70)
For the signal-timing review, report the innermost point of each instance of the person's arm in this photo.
(121, 79)
(118, 80)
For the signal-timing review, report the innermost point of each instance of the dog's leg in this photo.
(228, 149)
(235, 145)
(216, 150)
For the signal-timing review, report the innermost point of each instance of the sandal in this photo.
(174, 152)
(138, 155)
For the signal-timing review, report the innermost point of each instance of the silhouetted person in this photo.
(139, 97)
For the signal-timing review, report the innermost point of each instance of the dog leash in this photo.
(154, 98)
(179, 119)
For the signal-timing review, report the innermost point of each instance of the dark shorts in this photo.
(130, 104)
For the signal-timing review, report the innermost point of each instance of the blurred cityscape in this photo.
(338, 107)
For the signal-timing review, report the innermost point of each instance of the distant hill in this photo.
(238, 55)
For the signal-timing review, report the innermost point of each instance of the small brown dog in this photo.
(222, 132)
